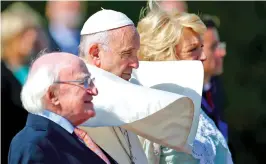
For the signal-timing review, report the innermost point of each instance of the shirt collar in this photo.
(207, 86)
(64, 123)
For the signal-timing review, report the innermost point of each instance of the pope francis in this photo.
(124, 110)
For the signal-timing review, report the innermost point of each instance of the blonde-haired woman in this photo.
(18, 38)
(177, 36)
(19, 31)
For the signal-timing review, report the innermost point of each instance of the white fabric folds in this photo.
(167, 118)
(181, 77)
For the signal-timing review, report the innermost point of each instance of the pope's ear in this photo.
(94, 51)
(94, 54)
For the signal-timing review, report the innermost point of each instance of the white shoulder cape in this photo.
(167, 118)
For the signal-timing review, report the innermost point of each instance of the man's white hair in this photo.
(88, 40)
(37, 85)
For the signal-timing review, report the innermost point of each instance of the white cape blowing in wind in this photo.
(164, 110)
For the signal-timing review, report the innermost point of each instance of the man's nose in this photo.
(93, 91)
(134, 63)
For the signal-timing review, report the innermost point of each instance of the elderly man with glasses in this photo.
(58, 95)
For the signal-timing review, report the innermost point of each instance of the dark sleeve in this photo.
(36, 155)
(31, 154)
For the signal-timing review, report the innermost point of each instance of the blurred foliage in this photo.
(243, 27)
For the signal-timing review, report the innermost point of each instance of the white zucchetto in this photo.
(104, 20)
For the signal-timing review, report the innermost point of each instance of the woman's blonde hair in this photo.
(161, 31)
(15, 19)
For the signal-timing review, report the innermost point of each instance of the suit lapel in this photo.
(106, 138)
(60, 135)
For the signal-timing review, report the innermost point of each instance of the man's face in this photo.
(76, 100)
(67, 13)
(121, 56)
(214, 51)
(190, 46)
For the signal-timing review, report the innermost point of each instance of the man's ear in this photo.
(52, 96)
(94, 55)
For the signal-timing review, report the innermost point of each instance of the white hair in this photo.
(36, 87)
(87, 40)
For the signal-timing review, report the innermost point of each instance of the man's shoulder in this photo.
(30, 149)
(29, 136)
(30, 144)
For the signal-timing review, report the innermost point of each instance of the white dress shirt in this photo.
(61, 121)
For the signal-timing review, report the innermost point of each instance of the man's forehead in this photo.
(126, 39)
(78, 70)
(211, 35)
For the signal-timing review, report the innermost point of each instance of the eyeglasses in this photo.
(217, 46)
(87, 82)
(222, 45)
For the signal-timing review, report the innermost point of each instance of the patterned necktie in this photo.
(90, 144)
(209, 99)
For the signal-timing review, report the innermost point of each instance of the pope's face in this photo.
(121, 56)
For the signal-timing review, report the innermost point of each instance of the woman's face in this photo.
(27, 40)
(22, 44)
(190, 46)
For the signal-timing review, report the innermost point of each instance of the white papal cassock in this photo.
(166, 118)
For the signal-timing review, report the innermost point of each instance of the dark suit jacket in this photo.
(218, 98)
(44, 142)
(53, 46)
